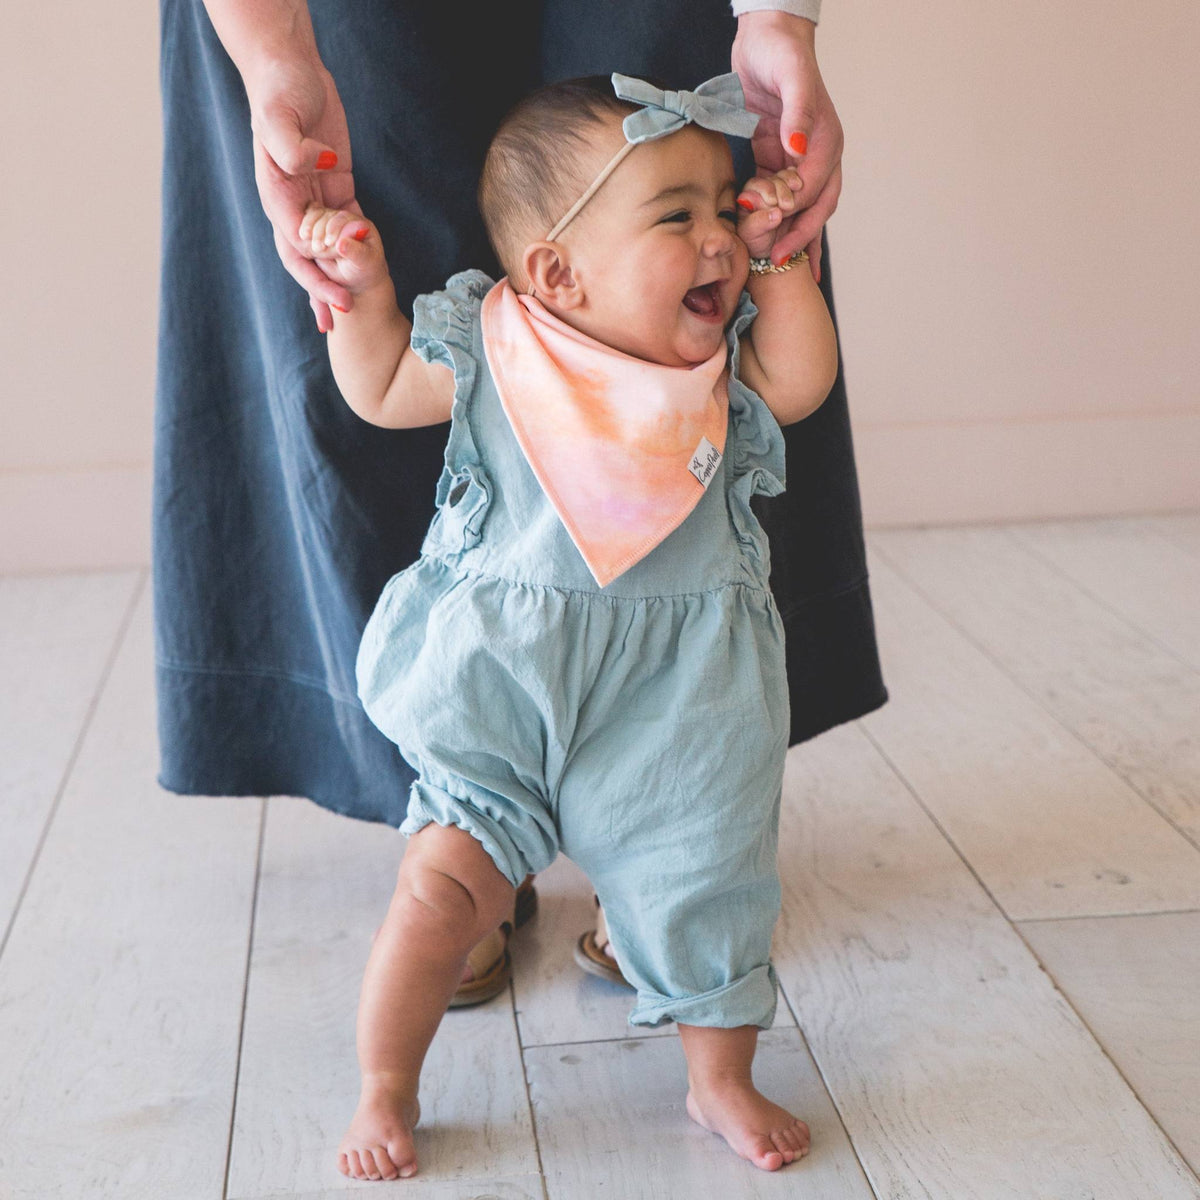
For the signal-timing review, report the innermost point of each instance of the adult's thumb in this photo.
(287, 146)
(796, 121)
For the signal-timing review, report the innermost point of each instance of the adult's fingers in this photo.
(321, 314)
(823, 154)
(322, 291)
(805, 229)
(811, 220)
(814, 257)
(285, 198)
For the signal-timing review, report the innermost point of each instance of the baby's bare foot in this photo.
(379, 1144)
(762, 1132)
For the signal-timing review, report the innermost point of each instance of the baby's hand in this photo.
(768, 204)
(346, 246)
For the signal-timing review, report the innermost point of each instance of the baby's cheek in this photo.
(741, 264)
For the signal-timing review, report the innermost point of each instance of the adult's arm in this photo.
(774, 55)
(301, 141)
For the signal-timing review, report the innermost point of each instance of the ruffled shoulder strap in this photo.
(444, 322)
(757, 453)
(446, 330)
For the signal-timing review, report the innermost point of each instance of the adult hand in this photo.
(775, 58)
(299, 125)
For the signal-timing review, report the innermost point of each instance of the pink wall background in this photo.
(1017, 256)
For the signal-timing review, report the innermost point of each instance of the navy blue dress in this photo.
(278, 514)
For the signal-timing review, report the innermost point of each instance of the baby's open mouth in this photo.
(704, 301)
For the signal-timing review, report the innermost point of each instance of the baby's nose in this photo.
(718, 241)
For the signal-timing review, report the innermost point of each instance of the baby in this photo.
(587, 657)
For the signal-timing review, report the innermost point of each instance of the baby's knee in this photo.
(450, 888)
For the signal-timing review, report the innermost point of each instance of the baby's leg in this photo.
(448, 895)
(722, 1097)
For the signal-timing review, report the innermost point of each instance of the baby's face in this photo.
(656, 250)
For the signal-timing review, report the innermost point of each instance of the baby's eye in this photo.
(682, 215)
(729, 214)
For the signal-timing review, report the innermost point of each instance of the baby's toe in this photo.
(797, 1136)
(343, 1164)
(781, 1142)
(764, 1154)
(387, 1168)
(373, 1169)
(402, 1156)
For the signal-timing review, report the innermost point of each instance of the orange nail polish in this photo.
(361, 236)
(326, 159)
(799, 143)
(744, 203)
(341, 310)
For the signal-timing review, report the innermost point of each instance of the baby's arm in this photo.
(379, 374)
(789, 353)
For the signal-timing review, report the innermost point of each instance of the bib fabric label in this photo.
(705, 461)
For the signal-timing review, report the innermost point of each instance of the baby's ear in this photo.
(548, 272)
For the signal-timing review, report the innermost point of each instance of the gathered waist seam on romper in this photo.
(476, 573)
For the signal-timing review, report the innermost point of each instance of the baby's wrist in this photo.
(760, 248)
(375, 297)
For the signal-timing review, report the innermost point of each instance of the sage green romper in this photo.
(640, 729)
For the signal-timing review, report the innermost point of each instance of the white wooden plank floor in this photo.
(989, 955)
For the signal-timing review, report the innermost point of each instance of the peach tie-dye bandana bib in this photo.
(623, 448)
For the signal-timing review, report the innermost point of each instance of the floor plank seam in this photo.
(237, 1070)
(537, 1145)
(912, 791)
(84, 726)
(1164, 912)
(592, 1042)
(862, 1166)
(1114, 768)
(1111, 1060)
(1122, 616)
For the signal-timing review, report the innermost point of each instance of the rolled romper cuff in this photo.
(749, 1000)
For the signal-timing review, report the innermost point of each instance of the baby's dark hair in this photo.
(532, 173)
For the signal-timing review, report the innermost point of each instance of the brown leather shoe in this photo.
(589, 952)
(489, 962)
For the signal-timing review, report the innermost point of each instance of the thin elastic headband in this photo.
(718, 104)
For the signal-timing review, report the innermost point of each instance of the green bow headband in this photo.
(718, 104)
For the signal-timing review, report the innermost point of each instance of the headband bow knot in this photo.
(718, 104)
